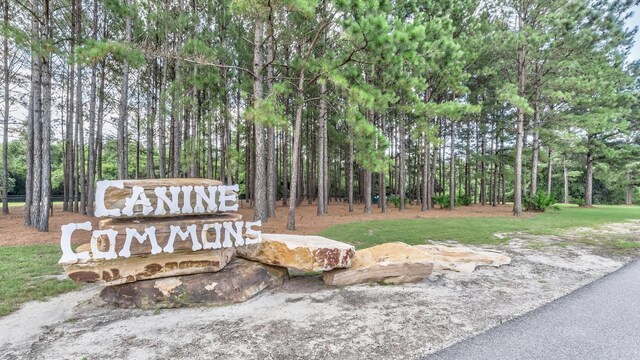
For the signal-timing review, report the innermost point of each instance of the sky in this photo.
(631, 22)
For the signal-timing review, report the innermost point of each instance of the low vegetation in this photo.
(477, 230)
(29, 273)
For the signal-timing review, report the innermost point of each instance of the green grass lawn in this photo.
(16, 204)
(476, 230)
(26, 274)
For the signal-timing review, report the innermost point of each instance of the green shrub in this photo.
(463, 200)
(395, 200)
(540, 203)
(578, 201)
(441, 200)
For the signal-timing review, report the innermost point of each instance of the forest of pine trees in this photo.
(432, 103)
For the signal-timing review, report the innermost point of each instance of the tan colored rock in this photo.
(306, 253)
(391, 263)
(462, 259)
(114, 198)
(135, 268)
(239, 281)
(163, 231)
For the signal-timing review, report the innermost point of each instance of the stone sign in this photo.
(158, 228)
(178, 242)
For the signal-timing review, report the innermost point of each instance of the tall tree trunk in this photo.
(92, 120)
(5, 134)
(69, 183)
(549, 172)
(123, 111)
(162, 111)
(565, 176)
(588, 188)
(517, 182)
(260, 181)
(138, 125)
(80, 118)
(367, 191)
(350, 180)
(401, 170)
(272, 185)
(45, 185)
(322, 133)
(36, 78)
(452, 169)
(285, 162)
(99, 122)
(629, 190)
(296, 162)
(151, 118)
(535, 144)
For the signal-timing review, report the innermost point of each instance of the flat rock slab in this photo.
(162, 231)
(391, 263)
(462, 259)
(239, 281)
(135, 268)
(115, 198)
(306, 253)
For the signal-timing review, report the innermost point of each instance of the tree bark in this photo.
(295, 168)
(402, 167)
(588, 188)
(350, 180)
(272, 185)
(36, 78)
(123, 111)
(549, 172)
(367, 191)
(5, 134)
(322, 133)
(80, 118)
(92, 120)
(565, 176)
(629, 190)
(517, 182)
(99, 122)
(260, 181)
(452, 169)
(45, 186)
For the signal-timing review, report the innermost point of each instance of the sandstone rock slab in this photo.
(135, 268)
(305, 253)
(115, 197)
(239, 281)
(462, 259)
(162, 232)
(391, 263)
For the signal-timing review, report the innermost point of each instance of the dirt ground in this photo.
(14, 232)
(305, 319)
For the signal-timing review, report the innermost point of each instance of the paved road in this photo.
(598, 321)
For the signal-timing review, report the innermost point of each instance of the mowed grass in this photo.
(28, 273)
(476, 230)
(18, 204)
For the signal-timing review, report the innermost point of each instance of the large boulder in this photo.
(305, 253)
(239, 281)
(462, 259)
(162, 232)
(391, 263)
(144, 267)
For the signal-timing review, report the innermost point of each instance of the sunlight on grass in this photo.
(24, 275)
(477, 230)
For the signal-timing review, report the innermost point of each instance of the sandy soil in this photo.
(14, 232)
(304, 319)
